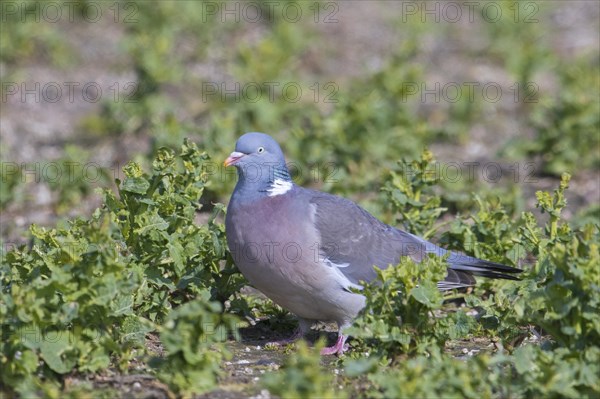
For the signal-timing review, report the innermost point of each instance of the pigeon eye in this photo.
(261, 150)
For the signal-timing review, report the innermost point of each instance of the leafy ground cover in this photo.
(86, 296)
(115, 277)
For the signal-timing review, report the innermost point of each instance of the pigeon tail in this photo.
(482, 268)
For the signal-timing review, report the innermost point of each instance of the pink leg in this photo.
(338, 348)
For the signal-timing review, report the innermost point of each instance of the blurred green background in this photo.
(504, 93)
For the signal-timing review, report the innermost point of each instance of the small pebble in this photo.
(264, 362)
(264, 394)
(247, 349)
(257, 347)
(137, 386)
(243, 361)
(465, 350)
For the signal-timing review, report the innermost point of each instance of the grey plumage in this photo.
(361, 241)
(304, 249)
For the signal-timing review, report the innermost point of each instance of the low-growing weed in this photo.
(557, 302)
(303, 376)
(566, 126)
(84, 295)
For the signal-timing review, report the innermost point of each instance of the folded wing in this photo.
(354, 241)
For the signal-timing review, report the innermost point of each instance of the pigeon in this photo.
(308, 251)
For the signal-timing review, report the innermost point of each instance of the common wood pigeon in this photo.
(305, 249)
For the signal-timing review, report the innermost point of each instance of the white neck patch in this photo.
(279, 187)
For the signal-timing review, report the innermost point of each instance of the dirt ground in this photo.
(251, 358)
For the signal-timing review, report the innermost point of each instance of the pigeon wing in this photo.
(354, 241)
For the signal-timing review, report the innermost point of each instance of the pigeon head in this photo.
(260, 164)
(255, 148)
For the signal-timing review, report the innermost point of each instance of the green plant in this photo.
(488, 233)
(529, 372)
(68, 303)
(72, 177)
(25, 37)
(156, 214)
(566, 126)
(401, 315)
(516, 39)
(559, 296)
(302, 376)
(11, 178)
(85, 294)
(561, 293)
(407, 192)
(191, 335)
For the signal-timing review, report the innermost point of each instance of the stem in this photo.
(553, 226)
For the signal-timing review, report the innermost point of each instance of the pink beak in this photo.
(233, 158)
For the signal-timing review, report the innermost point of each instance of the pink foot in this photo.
(283, 342)
(337, 349)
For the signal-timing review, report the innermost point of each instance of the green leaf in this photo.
(137, 185)
(524, 361)
(176, 254)
(54, 350)
(99, 360)
(361, 366)
(428, 295)
(29, 361)
(150, 222)
(122, 305)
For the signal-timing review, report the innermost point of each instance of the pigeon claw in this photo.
(337, 349)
